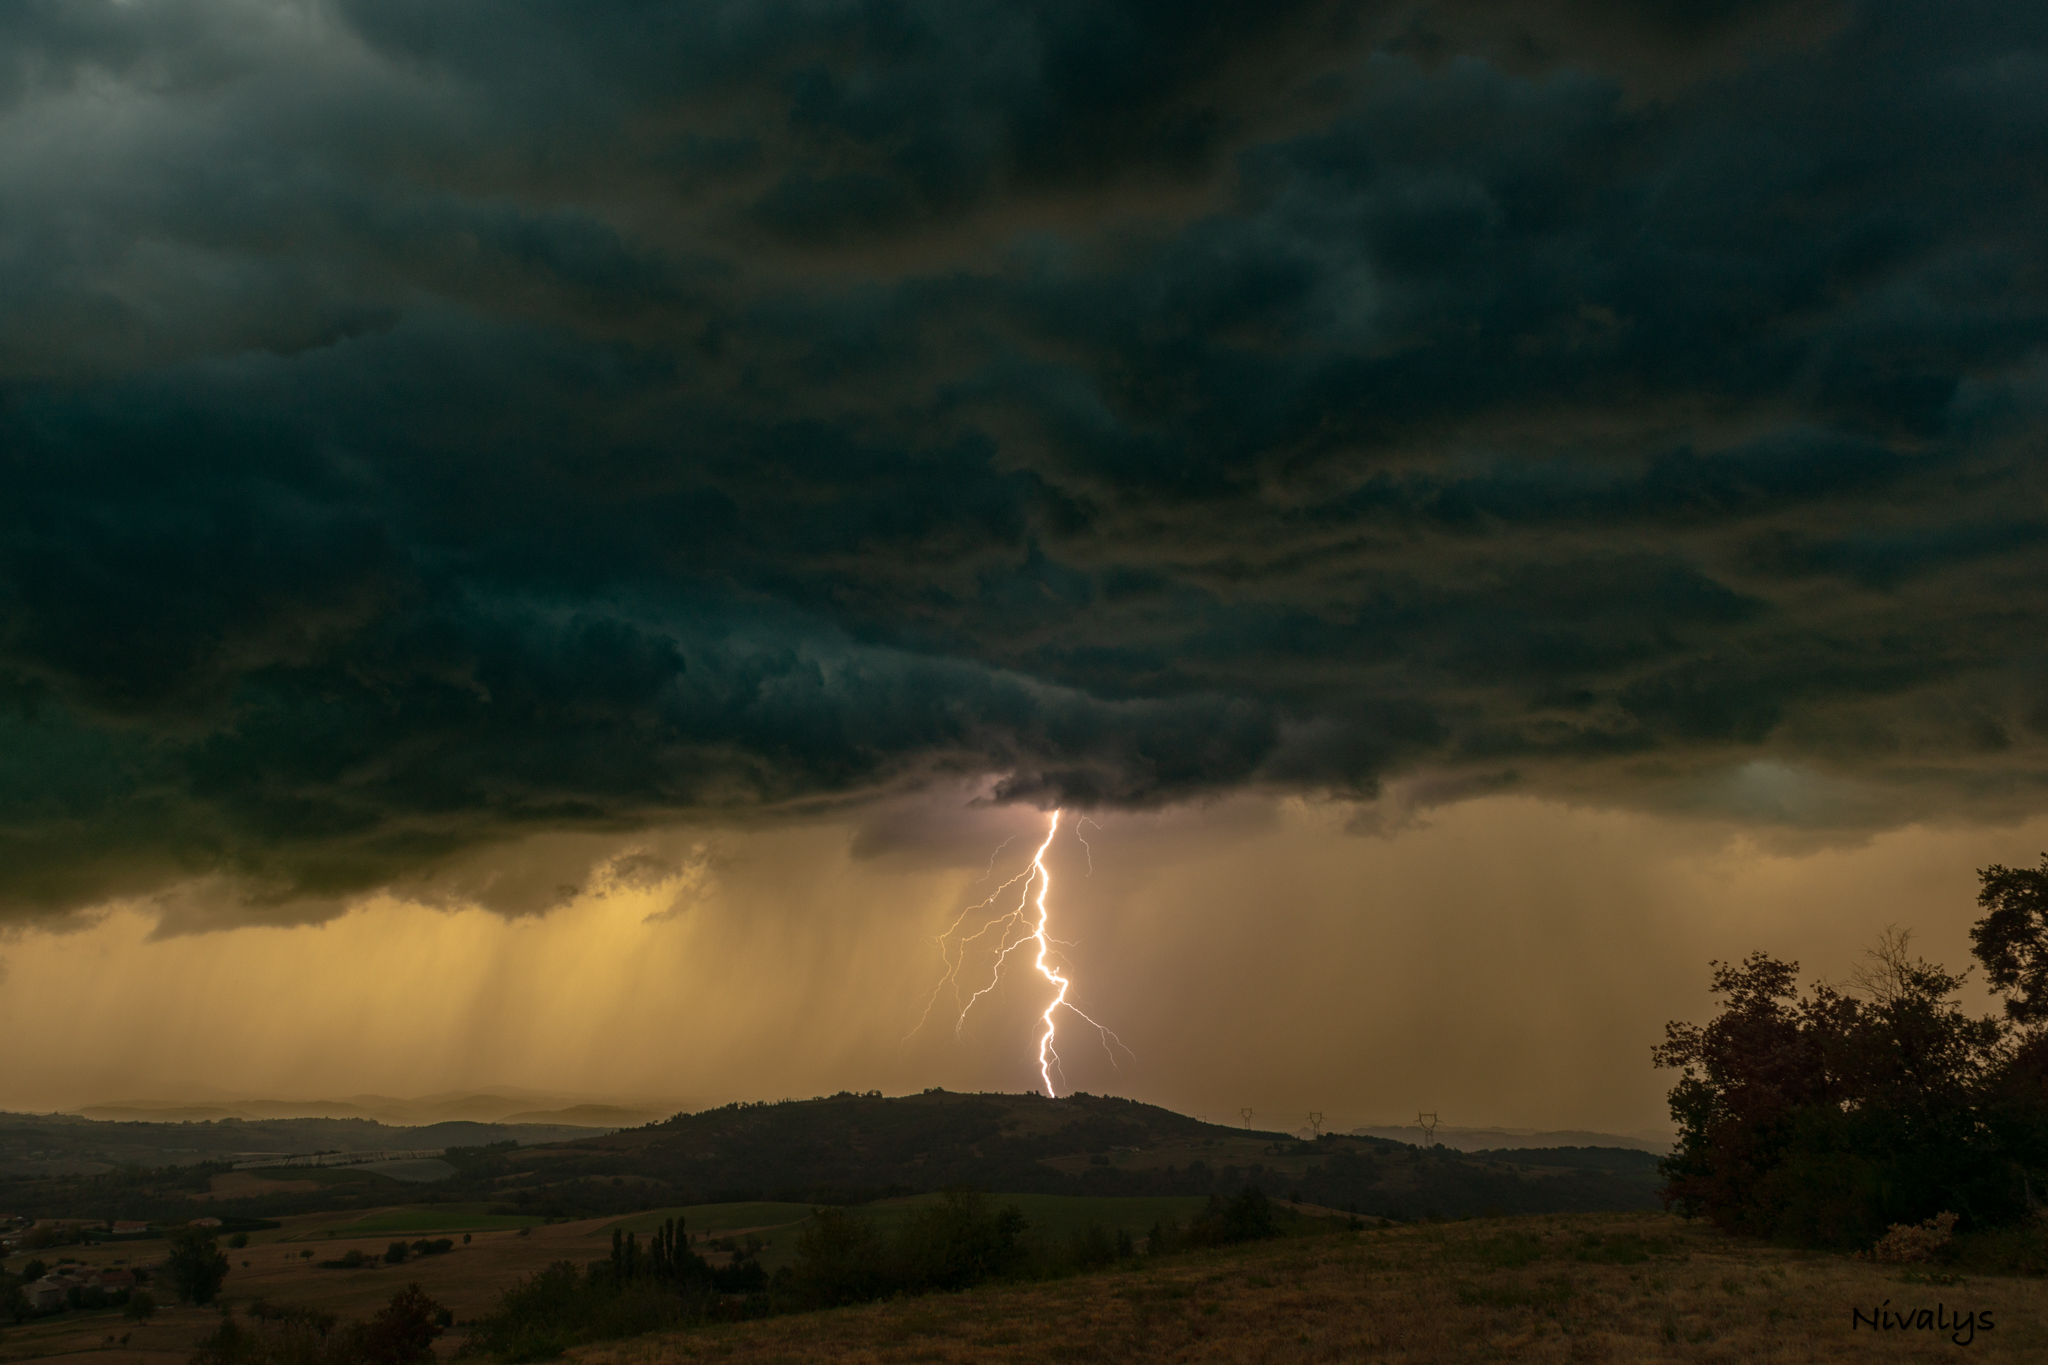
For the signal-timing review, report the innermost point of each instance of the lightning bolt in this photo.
(1009, 931)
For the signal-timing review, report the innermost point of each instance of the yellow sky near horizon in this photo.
(1507, 962)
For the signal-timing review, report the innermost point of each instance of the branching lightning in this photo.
(1007, 931)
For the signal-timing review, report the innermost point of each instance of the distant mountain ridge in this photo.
(485, 1106)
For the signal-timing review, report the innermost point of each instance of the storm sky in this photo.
(1488, 504)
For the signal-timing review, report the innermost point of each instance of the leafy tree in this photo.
(1824, 1117)
(2012, 938)
(141, 1305)
(194, 1267)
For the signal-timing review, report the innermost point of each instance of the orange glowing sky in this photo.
(1507, 962)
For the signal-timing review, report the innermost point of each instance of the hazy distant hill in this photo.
(587, 1116)
(1493, 1139)
(485, 1106)
(58, 1144)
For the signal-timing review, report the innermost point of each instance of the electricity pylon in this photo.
(1315, 1121)
(1427, 1123)
(1247, 1117)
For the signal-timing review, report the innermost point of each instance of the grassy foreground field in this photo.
(1621, 1287)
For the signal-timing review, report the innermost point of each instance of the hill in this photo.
(855, 1146)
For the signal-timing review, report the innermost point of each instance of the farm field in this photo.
(717, 1219)
(416, 1219)
(467, 1279)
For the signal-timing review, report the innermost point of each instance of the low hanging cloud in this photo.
(432, 427)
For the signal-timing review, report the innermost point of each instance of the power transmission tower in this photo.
(1315, 1121)
(1427, 1123)
(1247, 1116)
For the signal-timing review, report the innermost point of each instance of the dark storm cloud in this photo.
(425, 425)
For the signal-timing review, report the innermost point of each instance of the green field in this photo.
(431, 1218)
(1056, 1217)
(1049, 1218)
(714, 1218)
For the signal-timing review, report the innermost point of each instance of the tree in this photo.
(403, 1333)
(2012, 938)
(194, 1267)
(1824, 1117)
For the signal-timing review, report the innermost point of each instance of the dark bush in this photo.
(559, 1307)
(1245, 1218)
(402, 1333)
(839, 1259)
(321, 1321)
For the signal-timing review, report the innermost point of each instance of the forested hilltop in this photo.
(851, 1148)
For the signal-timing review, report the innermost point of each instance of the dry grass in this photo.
(1521, 1289)
(1630, 1287)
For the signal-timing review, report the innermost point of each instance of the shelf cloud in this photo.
(427, 428)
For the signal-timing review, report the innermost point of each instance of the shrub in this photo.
(403, 1333)
(395, 1253)
(318, 1319)
(1246, 1218)
(838, 1259)
(1904, 1243)
(141, 1305)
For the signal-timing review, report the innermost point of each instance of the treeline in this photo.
(1827, 1116)
(842, 1256)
